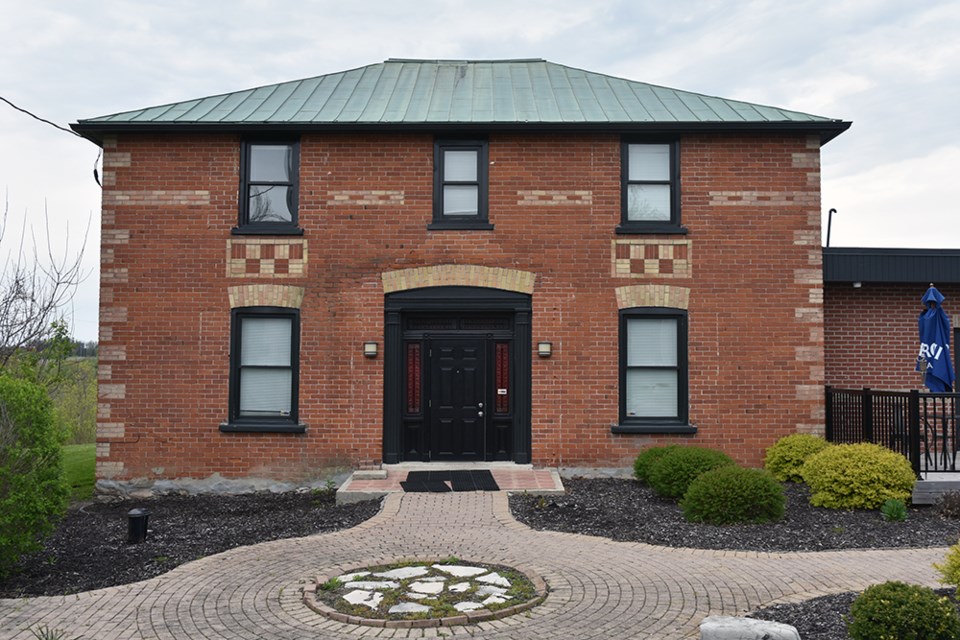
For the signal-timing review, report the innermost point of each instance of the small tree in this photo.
(33, 492)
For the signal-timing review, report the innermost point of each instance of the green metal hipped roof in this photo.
(450, 94)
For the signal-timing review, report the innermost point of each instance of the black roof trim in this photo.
(96, 131)
(868, 264)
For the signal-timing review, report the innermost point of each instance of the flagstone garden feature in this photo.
(424, 593)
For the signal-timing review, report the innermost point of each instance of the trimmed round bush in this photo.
(898, 611)
(733, 494)
(785, 458)
(33, 493)
(646, 460)
(857, 476)
(950, 569)
(671, 475)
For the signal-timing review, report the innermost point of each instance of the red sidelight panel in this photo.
(502, 358)
(413, 377)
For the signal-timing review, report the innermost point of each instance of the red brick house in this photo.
(871, 303)
(454, 260)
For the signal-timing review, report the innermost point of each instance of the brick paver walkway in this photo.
(598, 588)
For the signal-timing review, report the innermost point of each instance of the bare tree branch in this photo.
(34, 289)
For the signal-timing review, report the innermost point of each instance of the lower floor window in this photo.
(264, 365)
(653, 366)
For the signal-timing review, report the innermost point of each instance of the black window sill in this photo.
(267, 230)
(651, 229)
(261, 427)
(653, 428)
(460, 226)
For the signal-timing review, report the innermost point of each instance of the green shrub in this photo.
(894, 511)
(33, 492)
(857, 476)
(898, 611)
(950, 569)
(671, 475)
(785, 458)
(646, 460)
(733, 494)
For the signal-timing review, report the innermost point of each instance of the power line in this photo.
(36, 117)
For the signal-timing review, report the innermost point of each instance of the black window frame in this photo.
(244, 225)
(479, 221)
(280, 424)
(673, 225)
(656, 424)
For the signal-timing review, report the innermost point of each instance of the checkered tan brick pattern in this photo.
(259, 257)
(652, 259)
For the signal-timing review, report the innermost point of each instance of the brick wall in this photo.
(871, 333)
(751, 263)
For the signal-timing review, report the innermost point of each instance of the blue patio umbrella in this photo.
(935, 343)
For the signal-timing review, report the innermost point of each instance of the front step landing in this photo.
(929, 490)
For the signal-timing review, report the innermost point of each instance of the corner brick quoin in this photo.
(446, 275)
(265, 295)
(653, 295)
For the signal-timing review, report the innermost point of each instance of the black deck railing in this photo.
(920, 426)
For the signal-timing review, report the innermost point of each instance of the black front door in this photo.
(458, 381)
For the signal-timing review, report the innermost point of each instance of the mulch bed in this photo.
(89, 548)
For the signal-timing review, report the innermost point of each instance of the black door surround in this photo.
(463, 302)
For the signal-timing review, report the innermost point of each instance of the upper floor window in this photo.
(460, 185)
(650, 193)
(653, 370)
(264, 369)
(269, 186)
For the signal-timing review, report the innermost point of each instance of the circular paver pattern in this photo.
(424, 593)
(598, 588)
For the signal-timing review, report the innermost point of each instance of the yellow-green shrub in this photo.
(857, 476)
(897, 611)
(785, 458)
(950, 569)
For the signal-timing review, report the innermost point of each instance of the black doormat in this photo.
(436, 481)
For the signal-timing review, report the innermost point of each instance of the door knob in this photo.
(480, 404)
(480, 414)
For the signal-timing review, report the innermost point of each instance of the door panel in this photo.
(458, 388)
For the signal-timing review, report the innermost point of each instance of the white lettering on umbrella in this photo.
(930, 351)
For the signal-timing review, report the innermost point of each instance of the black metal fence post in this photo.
(913, 418)
(867, 415)
(828, 413)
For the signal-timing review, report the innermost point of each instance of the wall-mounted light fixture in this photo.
(370, 349)
(544, 349)
(857, 285)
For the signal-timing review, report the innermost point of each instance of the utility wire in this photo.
(36, 117)
(96, 175)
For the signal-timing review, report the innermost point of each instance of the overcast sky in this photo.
(890, 67)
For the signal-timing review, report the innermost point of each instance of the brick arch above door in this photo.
(462, 275)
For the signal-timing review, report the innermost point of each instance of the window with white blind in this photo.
(460, 185)
(653, 367)
(650, 194)
(264, 363)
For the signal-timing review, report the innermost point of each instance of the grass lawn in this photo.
(78, 465)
